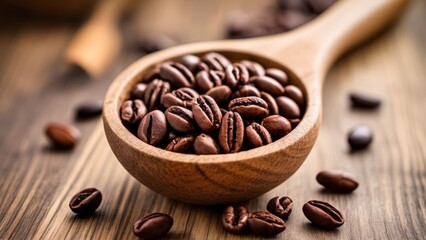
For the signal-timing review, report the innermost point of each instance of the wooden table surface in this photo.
(36, 182)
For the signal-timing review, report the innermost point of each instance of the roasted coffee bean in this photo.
(153, 128)
(207, 80)
(278, 126)
(205, 144)
(216, 61)
(62, 135)
(180, 119)
(154, 92)
(272, 104)
(223, 111)
(267, 84)
(86, 201)
(180, 144)
(360, 137)
(236, 74)
(280, 207)
(88, 109)
(246, 91)
(201, 66)
(278, 75)
(250, 107)
(323, 214)
(361, 100)
(319, 6)
(153, 226)
(132, 111)
(152, 75)
(190, 61)
(231, 133)
(265, 224)
(234, 219)
(337, 181)
(177, 74)
(139, 91)
(220, 94)
(207, 113)
(254, 68)
(295, 94)
(288, 107)
(257, 135)
(183, 97)
(294, 122)
(152, 42)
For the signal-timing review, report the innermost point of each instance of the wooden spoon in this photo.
(306, 53)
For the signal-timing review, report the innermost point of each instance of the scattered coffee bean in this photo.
(288, 107)
(265, 224)
(207, 113)
(257, 135)
(250, 107)
(323, 215)
(337, 181)
(277, 126)
(139, 91)
(234, 219)
(360, 137)
(205, 144)
(86, 201)
(62, 135)
(280, 207)
(132, 111)
(153, 226)
(153, 128)
(220, 94)
(87, 110)
(361, 100)
(180, 144)
(231, 133)
(183, 97)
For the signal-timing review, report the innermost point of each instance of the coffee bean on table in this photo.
(154, 92)
(257, 135)
(278, 126)
(267, 84)
(153, 128)
(86, 201)
(360, 137)
(180, 144)
(132, 111)
(323, 214)
(234, 219)
(272, 104)
(207, 80)
(231, 133)
(361, 100)
(265, 224)
(139, 91)
(180, 97)
(280, 207)
(216, 61)
(205, 144)
(254, 68)
(190, 61)
(62, 135)
(220, 94)
(278, 75)
(88, 109)
(337, 181)
(177, 74)
(153, 226)
(295, 94)
(288, 107)
(246, 91)
(250, 107)
(207, 113)
(236, 74)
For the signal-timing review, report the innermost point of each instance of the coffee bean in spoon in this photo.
(86, 201)
(337, 181)
(360, 137)
(362, 100)
(153, 226)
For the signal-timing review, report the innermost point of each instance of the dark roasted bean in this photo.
(231, 133)
(62, 135)
(205, 144)
(272, 104)
(236, 74)
(207, 113)
(152, 75)
(86, 201)
(183, 97)
(278, 126)
(268, 85)
(323, 214)
(254, 68)
(246, 91)
(181, 144)
(207, 80)
(288, 107)
(257, 135)
(177, 74)
(337, 181)
(294, 122)
(88, 109)
(153, 226)
(215, 61)
(180, 119)
(278, 75)
(265, 224)
(234, 219)
(280, 207)
(154, 92)
(295, 94)
(220, 94)
(362, 100)
(139, 91)
(153, 128)
(250, 107)
(360, 137)
(132, 111)
(190, 61)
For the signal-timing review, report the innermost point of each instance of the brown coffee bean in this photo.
(132, 111)
(280, 207)
(154, 92)
(360, 137)
(231, 133)
(362, 100)
(153, 226)
(294, 122)
(220, 94)
(190, 61)
(250, 107)
(278, 75)
(207, 80)
(216, 61)
(86, 201)
(180, 119)
(205, 144)
(234, 219)
(288, 107)
(236, 74)
(152, 42)
(62, 135)
(180, 144)
(323, 214)
(337, 181)
(177, 74)
(246, 91)
(257, 135)
(207, 113)
(152, 75)
(183, 97)
(139, 91)
(153, 128)
(272, 104)
(89, 109)
(295, 94)
(267, 84)
(265, 224)
(278, 126)
(254, 68)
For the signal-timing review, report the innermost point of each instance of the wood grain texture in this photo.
(36, 183)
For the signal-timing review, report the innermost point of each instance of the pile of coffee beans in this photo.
(209, 105)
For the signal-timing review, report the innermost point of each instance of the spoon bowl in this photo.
(305, 54)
